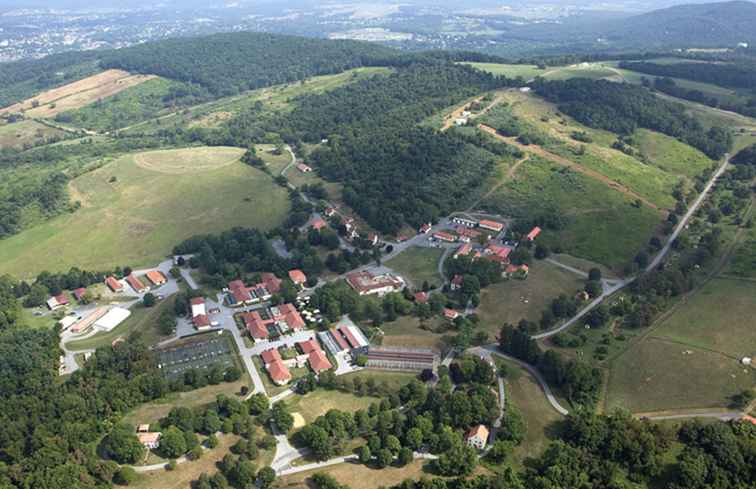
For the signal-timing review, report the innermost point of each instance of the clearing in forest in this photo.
(77, 94)
(18, 134)
(132, 215)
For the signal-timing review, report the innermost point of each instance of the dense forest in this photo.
(227, 64)
(622, 108)
(731, 75)
(746, 156)
(393, 170)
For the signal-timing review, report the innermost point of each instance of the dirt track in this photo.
(539, 151)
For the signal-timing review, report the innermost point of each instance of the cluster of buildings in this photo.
(308, 353)
(345, 338)
(103, 318)
(154, 277)
(366, 283)
(272, 321)
(240, 295)
(350, 228)
(200, 318)
(496, 252)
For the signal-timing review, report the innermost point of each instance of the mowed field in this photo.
(358, 476)
(418, 265)
(319, 402)
(137, 208)
(18, 134)
(77, 94)
(526, 71)
(513, 300)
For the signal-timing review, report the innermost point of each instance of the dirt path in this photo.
(457, 113)
(539, 151)
(509, 176)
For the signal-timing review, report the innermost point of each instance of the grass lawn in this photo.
(270, 388)
(151, 412)
(407, 331)
(509, 70)
(25, 132)
(512, 300)
(657, 375)
(418, 265)
(743, 261)
(137, 208)
(718, 317)
(187, 472)
(319, 402)
(358, 476)
(394, 380)
(142, 319)
(525, 394)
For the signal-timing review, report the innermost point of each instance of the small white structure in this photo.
(746, 361)
(112, 318)
(68, 321)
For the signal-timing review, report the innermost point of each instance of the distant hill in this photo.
(686, 26)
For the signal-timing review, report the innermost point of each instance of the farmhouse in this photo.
(298, 277)
(156, 277)
(365, 283)
(391, 358)
(477, 437)
(112, 318)
(114, 284)
(319, 361)
(304, 168)
(201, 322)
(136, 284)
(256, 326)
(491, 225)
(497, 253)
(149, 440)
(517, 271)
(79, 293)
(467, 234)
(533, 233)
(444, 236)
(451, 314)
(270, 356)
(279, 373)
(421, 297)
(57, 301)
(317, 224)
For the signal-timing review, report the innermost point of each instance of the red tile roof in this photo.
(61, 299)
(298, 277)
(533, 233)
(517, 268)
(79, 293)
(458, 280)
(236, 284)
(294, 321)
(319, 361)
(114, 284)
(255, 325)
(444, 236)
(421, 297)
(156, 277)
(271, 282)
(270, 356)
(463, 250)
(278, 372)
(750, 419)
(135, 283)
(451, 313)
(479, 431)
(318, 224)
(309, 346)
(347, 332)
(201, 321)
(339, 338)
(493, 225)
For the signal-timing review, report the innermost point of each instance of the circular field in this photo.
(188, 160)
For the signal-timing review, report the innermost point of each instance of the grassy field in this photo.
(151, 412)
(601, 224)
(77, 94)
(542, 421)
(136, 208)
(18, 134)
(394, 380)
(719, 317)
(319, 402)
(358, 476)
(513, 300)
(142, 319)
(657, 375)
(418, 265)
(509, 70)
(743, 261)
(584, 70)
(182, 477)
(411, 332)
(670, 154)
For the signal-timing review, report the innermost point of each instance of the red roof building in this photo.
(451, 314)
(136, 284)
(444, 236)
(254, 323)
(114, 284)
(298, 277)
(491, 225)
(533, 233)
(304, 168)
(279, 373)
(339, 339)
(365, 283)
(271, 282)
(201, 322)
(421, 297)
(463, 250)
(79, 293)
(309, 346)
(318, 224)
(319, 361)
(270, 356)
(156, 277)
(749, 419)
(425, 228)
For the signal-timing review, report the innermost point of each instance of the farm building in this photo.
(256, 326)
(391, 358)
(465, 234)
(365, 283)
(67, 322)
(298, 277)
(56, 302)
(114, 284)
(444, 236)
(201, 322)
(156, 277)
(282, 318)
(240, 295)
(497, 253)
(533, 234)
(463, 250)
(477, 437)
(494, 226)
(136, 284)
(86, 322)
(112, 318)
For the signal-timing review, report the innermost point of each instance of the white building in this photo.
(112, 318)
(477, 437)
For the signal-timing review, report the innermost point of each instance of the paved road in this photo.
(610, 287)
(492, 349)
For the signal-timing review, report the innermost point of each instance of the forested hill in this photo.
(230, 63)
(685, 26)
(622, 108)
